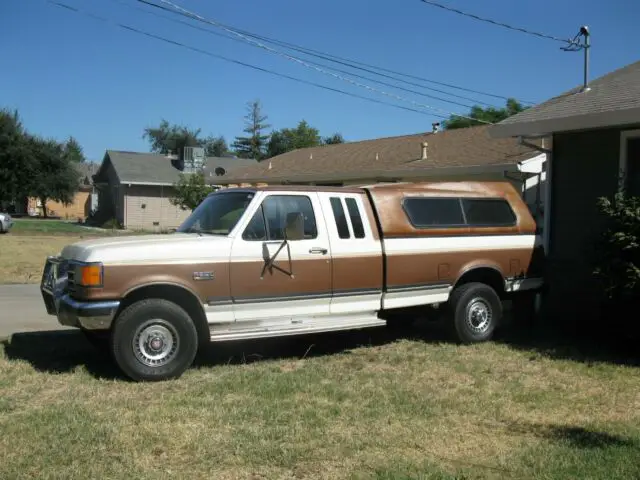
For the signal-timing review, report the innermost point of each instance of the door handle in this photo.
(320, 250)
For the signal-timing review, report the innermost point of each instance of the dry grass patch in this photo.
(401, 409)
(22, 257)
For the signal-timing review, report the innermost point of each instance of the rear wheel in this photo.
(154, 339)
(474, 311)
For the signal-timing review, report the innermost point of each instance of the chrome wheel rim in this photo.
(155, 343)
(479, 315)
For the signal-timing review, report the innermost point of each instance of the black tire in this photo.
(154, 318)
(482, 299)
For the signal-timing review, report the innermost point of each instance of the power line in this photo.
(237, 62)
(488, 20)
(303, 50)
(333, 58)
(182, 11)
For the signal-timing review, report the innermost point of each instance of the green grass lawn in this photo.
(29, 226)
(363, 405)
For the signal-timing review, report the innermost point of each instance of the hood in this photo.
(163, 248)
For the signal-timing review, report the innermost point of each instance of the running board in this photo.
(300, 326)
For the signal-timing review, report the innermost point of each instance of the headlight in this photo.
(89, 275)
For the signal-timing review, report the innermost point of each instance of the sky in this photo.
(68, 73)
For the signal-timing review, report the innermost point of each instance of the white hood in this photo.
(144, 248)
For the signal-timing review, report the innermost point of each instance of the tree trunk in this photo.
(43, 201)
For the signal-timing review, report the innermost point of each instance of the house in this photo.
(84, 202)
(595, 151)
(135, 188)
(459, 154)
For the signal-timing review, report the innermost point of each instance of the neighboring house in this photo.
(596, 138)
(459, 154)
(84, 202)
(135, 188)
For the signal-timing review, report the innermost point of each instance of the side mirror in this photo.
(294, 229)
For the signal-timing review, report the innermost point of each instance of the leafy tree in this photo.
(489, 114)
(334, 139)
(17, 168)
(255, 144)
(191, 190)
(57, 177)
(288, 139)
(174, 138)
(216, 147)
(73, 151)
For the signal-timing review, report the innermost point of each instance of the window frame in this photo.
(260, 209)
(466, 223)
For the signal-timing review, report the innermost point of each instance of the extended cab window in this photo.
(488, 212)
(341, 219)
(434, 212)
(356, 219)
(269, 221)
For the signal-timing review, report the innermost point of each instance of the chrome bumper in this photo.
(96, 315)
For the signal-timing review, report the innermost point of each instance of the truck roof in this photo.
(439, 187)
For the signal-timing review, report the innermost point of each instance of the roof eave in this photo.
(380, 175)
(606, 119)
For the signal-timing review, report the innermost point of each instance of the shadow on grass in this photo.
(64, 351)
(574, 436)
(563, 342)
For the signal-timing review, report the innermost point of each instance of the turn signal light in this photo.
(90, 275)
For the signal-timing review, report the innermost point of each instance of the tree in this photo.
(489, 114)
(255, 144)
(216, 147)
(334, 139)
(57, 177)
(17, 168)
(287, 139)
(174, 138)
(191, 190)
(73, 151)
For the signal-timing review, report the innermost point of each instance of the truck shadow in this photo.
(65, 351)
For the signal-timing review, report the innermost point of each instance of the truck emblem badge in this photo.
(203, 275)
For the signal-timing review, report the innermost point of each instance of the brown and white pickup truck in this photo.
(282, 260)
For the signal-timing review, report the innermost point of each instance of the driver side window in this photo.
(269, 221)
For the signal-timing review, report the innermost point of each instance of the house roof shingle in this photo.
(152, 168)
(616, 91)
(449, 149)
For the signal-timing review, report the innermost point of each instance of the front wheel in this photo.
(153, 340)
(474, 310)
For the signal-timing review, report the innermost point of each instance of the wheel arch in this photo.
(176, 293)
(487, 274)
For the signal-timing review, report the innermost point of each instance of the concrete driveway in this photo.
(22, 310)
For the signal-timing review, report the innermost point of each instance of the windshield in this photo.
(217, 214)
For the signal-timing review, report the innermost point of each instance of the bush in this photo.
(112, 224)
(618, 249)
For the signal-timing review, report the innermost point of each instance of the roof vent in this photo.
(435, 127)
(424, 150)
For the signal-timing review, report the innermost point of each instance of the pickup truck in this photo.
(282, 260)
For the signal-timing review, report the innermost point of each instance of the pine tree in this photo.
(255, 145)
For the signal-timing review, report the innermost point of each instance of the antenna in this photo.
(585, 46)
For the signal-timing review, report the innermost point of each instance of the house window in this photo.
(633, 166)
(433, 212)
(340, 218)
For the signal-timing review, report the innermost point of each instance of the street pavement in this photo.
(22, 310)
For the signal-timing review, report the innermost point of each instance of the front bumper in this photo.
(89, 315)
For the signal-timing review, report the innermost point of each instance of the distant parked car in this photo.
(5, 222)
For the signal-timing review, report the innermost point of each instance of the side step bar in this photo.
(285, 327)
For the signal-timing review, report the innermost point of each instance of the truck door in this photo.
(356, 254)
(272, 276)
